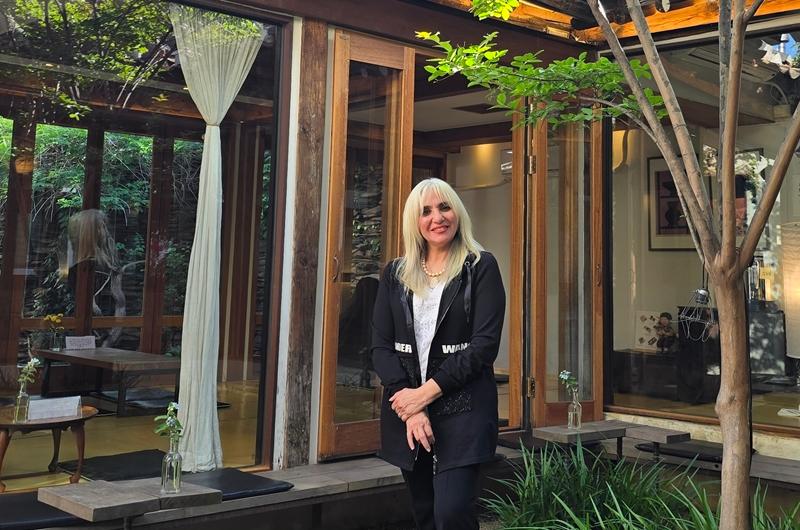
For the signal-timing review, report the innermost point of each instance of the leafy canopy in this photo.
(574, 89)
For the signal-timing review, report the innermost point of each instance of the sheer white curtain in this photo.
(215, 52)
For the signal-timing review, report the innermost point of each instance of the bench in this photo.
(656, 436)
(611, 429)
(589, 432)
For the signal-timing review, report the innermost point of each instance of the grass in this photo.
(562, 489)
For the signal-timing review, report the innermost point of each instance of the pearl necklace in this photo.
(430, 274)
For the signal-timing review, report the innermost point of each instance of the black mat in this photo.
(148, 399)
(235, 484)
(693, 449)
(22, 511)
(125, 466)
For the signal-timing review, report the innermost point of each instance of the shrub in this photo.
(565, 489)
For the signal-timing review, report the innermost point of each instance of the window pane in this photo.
(58, 175)
(660, 363)
(130, 214)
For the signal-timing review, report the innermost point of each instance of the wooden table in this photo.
(122, 363)
(8, 426)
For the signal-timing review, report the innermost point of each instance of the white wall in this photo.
(643, 280)
(489, 209)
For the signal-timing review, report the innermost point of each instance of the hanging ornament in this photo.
(696, 319)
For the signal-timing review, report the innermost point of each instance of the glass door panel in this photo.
(370, 172)
(567, 298)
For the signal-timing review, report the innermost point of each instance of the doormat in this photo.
(124, 466)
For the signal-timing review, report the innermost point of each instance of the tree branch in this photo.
(724, 63)
(728, 145)
(673, 107)
(625, 111)
(751, 11)
(770, 195)
(698, 220)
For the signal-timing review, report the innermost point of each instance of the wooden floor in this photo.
(28, 455)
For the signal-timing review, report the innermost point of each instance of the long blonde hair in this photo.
(409, 270)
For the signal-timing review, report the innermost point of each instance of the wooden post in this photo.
(157, 241)
(84, 270)
(15, 244)
(310, 140)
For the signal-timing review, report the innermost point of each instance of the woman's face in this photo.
(437, 222)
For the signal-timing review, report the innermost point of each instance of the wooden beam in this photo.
(527, 16)
(400, 20)
(578, 10)
(698, 13)
(748, 105)
(310, 140)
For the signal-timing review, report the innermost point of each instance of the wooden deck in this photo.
(355, 493)
(344, 494)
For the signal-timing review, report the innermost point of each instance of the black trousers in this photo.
(445, 500)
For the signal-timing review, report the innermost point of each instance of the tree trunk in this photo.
(733, 402)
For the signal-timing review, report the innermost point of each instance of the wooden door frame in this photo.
(542, 412)
(362, 436)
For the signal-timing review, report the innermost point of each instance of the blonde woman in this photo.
(436, 331)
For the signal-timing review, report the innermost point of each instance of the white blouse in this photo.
(426, 311)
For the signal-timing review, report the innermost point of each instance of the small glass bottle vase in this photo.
(574, 412)
(171, 468)
(21, 404)
(57, 341)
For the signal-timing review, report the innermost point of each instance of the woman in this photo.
(436, 330)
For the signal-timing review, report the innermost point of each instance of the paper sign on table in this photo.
(42, 409)
(80, 343)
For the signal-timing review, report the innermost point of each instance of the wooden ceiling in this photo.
(573, 20)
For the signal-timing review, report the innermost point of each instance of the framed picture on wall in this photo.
(668, 229)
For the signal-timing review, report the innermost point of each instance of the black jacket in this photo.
(464, 347)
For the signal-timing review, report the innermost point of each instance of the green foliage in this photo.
(168, 424)
(484, 9)
(28, 372)
(574, 89)
(118, 38)
(563, 489)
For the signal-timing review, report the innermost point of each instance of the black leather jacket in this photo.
(464, 347)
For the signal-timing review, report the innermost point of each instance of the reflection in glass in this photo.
(180, 228)
(124, 199)
(684, 379)
(59, 157)
(121, 81)
(363, 249)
